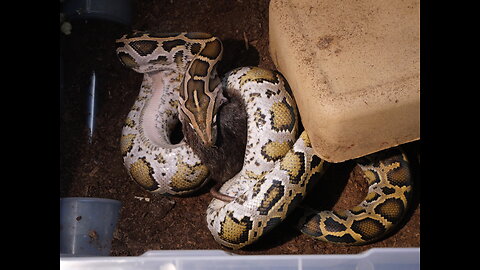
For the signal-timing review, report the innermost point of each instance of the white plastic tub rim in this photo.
(375, 258)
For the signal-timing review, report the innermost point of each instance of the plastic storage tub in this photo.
(375, 258)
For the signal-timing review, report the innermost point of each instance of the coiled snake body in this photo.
(181, 84)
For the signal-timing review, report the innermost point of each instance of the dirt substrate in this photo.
(149, 221)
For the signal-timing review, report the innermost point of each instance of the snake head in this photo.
(201, 93)
(201, 114)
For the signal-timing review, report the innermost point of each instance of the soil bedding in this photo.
(153, 222)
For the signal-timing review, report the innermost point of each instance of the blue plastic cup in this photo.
(119, 11)
(87, 225)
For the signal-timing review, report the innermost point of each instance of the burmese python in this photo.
(181, 84)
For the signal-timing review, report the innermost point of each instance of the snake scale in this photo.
(181, 84)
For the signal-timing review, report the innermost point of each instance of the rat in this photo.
(225, 159)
